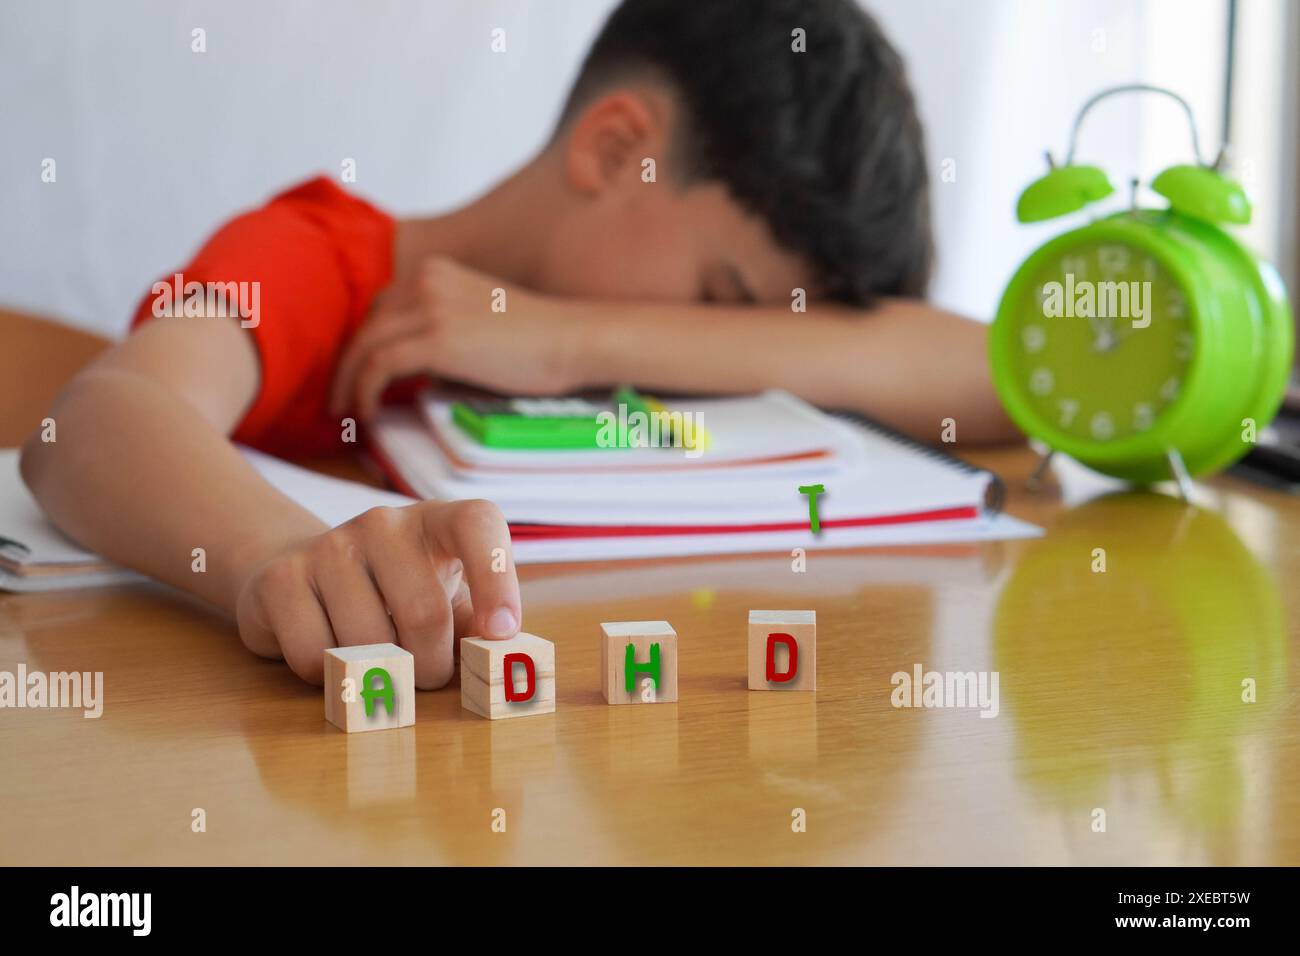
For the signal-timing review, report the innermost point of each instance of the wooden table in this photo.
(1120, 691)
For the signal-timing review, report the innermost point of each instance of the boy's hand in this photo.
(399, 575)
(452, 332)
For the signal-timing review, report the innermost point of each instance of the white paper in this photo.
(335, 501)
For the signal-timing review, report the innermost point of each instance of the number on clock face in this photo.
(1105, 341)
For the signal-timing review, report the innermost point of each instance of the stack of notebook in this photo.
(740, 494)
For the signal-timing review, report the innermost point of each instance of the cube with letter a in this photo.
(782, 650)
(369, 687)
(638, 662)
(512, 678)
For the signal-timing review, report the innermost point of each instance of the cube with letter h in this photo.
(513, 678)
(369, 687)
(782, 650)
(638, 662)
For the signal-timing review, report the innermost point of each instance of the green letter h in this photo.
(631, 667)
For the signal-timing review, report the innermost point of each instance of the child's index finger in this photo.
(476, 532)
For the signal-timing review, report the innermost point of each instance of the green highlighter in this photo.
(553, 424)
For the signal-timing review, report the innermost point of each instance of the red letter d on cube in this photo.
(530, 670)
(792, 667)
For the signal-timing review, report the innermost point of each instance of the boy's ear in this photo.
(616, 131)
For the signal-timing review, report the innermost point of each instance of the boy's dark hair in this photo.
(824, 144)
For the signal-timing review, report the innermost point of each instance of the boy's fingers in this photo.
(375, 333)
(384, 365)
(294, 621)
(476, 532)
(255, 630)
(420, 607)
(355, 610)
(462, 613)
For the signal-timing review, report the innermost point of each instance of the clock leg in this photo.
(1036, 479)
(1179, 471)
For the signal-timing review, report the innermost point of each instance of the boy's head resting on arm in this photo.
(773, 168)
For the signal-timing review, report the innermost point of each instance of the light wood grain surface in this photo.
(1118, 691)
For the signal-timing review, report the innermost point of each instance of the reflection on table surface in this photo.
(1159, 692)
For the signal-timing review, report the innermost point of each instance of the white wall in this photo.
(1266, 128)
(1000, 82)
(155, 144)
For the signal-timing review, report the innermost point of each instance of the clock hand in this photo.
(1108, 325)
(1092, 324)
(1103, 334)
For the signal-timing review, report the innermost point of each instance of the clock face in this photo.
(1102, 342)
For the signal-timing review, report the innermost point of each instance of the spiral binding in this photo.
(994, 496)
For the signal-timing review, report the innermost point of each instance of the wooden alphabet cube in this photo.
(514, 678)
(782, 650)
(638, 662)
(369, 687)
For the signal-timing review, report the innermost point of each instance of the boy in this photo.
(705, 174)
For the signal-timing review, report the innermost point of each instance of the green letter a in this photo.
(385, 692)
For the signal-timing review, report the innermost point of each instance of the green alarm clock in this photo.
(1148, 344)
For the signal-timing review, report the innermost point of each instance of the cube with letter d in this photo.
(638, 662)
(512, 678)
(782, 650)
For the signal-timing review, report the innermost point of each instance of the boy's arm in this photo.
(905, 363)
(142, 472)
(141, 464)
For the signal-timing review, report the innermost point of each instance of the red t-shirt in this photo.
(321, 256)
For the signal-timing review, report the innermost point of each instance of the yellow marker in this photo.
(702, 598)
(693, 437)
